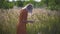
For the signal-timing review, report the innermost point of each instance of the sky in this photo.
(28, 0)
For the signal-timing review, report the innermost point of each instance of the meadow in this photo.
(45, 21)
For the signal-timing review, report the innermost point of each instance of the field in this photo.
(45, 21)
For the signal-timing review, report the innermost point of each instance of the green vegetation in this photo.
(47, 24)
(8, 22)
(6, 4)
(51, 4)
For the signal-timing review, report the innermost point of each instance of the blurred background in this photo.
(46, 14)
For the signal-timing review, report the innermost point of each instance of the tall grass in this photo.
(8, 20)
(45, 23)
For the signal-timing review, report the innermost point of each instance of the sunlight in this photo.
(10, 0)
(37, 0)
(26, 0)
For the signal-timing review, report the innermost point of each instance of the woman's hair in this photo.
(28, 7)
